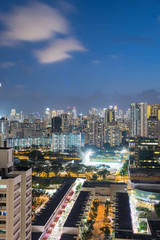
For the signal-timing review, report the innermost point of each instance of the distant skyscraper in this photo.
(95, 131)
(60, 112)
(153, 110)
(13, 114)
(93, 111)
(74, 113)
(21, 117)
(57, 125)
(54, 113)
(153, 127)
(144, 152)
(65, 123)
(109, 116)
(4, 130)
(138, 120)
(113, 135)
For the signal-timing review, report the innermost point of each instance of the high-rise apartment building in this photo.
(65, 123)
(56, 124)
(153, 110)
(74, 113)
(113, 135)
(15, 199)
(144, 152)
(4, 130)
(109, 116)
(95, 131)
(138, 126)
(67, 141)
(153, 127)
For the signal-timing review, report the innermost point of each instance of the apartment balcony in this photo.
(29, 179)
(16, 222)
(17, 205)
(28, 194)
(2, 226)
(29, 202)
(16, 187)
(3, 233)
(3, 208)
(3, 199)
(2, 218)
(28, 225)
(16, 235)
(17, 196)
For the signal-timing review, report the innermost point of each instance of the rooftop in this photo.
(10, 176)
(123, 215)
(68, 237)
(99, 184)
(78, 209)
(155, 228)
(151, 190)
(148, 171)
(36, 235)
(146, 181)
(4, 148)
(52, 204)
(131, 235)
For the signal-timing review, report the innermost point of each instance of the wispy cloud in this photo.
(135, 39)
(39, 22)
(66, 6)
(158, 18)
(34, 22)
(96, 61)
(59, 50)
(113, 56)
(7, 64)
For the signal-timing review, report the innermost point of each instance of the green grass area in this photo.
(43, 183)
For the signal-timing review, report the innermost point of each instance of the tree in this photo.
(157, 210)
(143, 226)
(38, 168)
(47, 170)
(35, 155)
(124, 170)
(94, 177)
(106, 231)
(75, 168)
(103, 173)
(56, 167)
(89, 169)
(78, 188)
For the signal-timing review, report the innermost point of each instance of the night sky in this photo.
(81, 53)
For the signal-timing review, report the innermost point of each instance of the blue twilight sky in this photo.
(82, 53)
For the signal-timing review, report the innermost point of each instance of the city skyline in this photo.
(84, 54)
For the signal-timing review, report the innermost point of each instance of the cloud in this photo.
(59, 50)
(124, 100)
(40, 22)
(7, 64)
(35, 22)
(66, 6)
(135, 40)
(149, 95)
(95, 61)
(113, 56)
(25, 68)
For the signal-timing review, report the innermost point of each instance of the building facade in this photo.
(138, 124)
(144, 152)
(16, 199)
